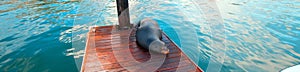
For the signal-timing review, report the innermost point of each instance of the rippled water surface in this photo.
(240, 35)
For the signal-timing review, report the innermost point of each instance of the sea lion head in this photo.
(158, 47)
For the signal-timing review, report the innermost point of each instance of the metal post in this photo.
(123, 14)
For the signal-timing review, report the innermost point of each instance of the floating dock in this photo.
(101, 57)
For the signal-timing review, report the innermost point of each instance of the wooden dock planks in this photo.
(99, 55)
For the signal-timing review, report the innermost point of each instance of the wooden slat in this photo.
(100, 56)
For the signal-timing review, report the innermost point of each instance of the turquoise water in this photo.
(244, 35)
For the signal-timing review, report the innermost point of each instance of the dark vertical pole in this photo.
(123, 14)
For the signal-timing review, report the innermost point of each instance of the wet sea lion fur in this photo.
(149, 36)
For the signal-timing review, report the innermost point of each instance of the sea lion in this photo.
(148, 35)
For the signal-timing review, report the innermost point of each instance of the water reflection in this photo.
(258, 35)
(30, 35)
(253, 41)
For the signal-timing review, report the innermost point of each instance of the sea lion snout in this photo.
(165, 50)
(158, 47)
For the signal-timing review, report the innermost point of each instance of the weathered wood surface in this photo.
(99, 54)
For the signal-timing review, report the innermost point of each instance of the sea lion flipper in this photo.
(160, 34)
(138, 25)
